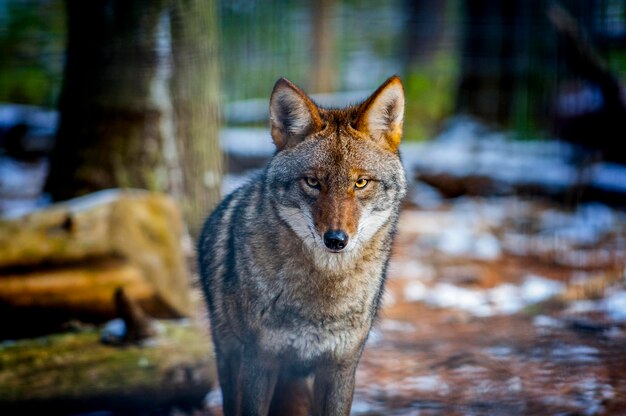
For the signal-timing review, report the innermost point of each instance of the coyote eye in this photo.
(312, 182)
(361, 183)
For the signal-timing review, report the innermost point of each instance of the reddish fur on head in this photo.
(294, 116)
(382, 114)
(336, 211)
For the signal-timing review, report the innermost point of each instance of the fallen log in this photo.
(66, 261)
(82, 289)
(75, 372)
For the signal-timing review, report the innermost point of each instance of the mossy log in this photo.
(70, 258)
(75, 372)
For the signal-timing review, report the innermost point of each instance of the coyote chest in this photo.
(309, 342)
(335, 324)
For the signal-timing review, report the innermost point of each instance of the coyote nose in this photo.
(335, 239)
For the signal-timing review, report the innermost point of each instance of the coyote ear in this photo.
(382, 114)
(293, 115)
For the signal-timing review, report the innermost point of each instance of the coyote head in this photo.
(336, 179)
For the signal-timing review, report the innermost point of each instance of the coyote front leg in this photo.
(258, 381)
(334, 388)
(229, 370)
(247, 383)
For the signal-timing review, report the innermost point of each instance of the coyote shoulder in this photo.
(293, 263)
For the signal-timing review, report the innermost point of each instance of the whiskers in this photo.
(370, 223)
(301, 222)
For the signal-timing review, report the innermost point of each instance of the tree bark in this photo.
(195, 96)
(324, 71)
(108, 134)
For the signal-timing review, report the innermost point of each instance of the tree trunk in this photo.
(124, 121)
(596, 129)
(507, 62)
(108, 134)
(195, 97)
(423, 30)
(324, 71)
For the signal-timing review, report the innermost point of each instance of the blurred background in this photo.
(123, 123)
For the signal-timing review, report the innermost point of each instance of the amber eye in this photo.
(361, 183)
(312, 182)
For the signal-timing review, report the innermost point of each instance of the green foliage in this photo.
(617, 62)
(25, 85)
(32, 41)
(430, 95)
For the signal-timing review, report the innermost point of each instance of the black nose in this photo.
(335, 239)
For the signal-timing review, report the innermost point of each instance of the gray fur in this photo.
(282, 306)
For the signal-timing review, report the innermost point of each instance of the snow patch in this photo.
(415, 291)
(543, 321)
(425, 196)
(446, 295)
(500, 351)
(609, 176)
(431, 383)
(537, 289)
(504, 299)
(575, 354)
(398, 326)
(21, 184)
(214, 398)
(411, 269)
(585, 226)
(615, 305)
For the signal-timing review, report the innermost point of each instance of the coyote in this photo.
(293, 263)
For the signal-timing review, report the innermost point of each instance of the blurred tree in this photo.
(424, 30)
(324, 71)
(195, 97)
(108, 134)
(507, 62)
(593, 124)
(32, 37)
(429, 64)
(518, 70)
(120, 124)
